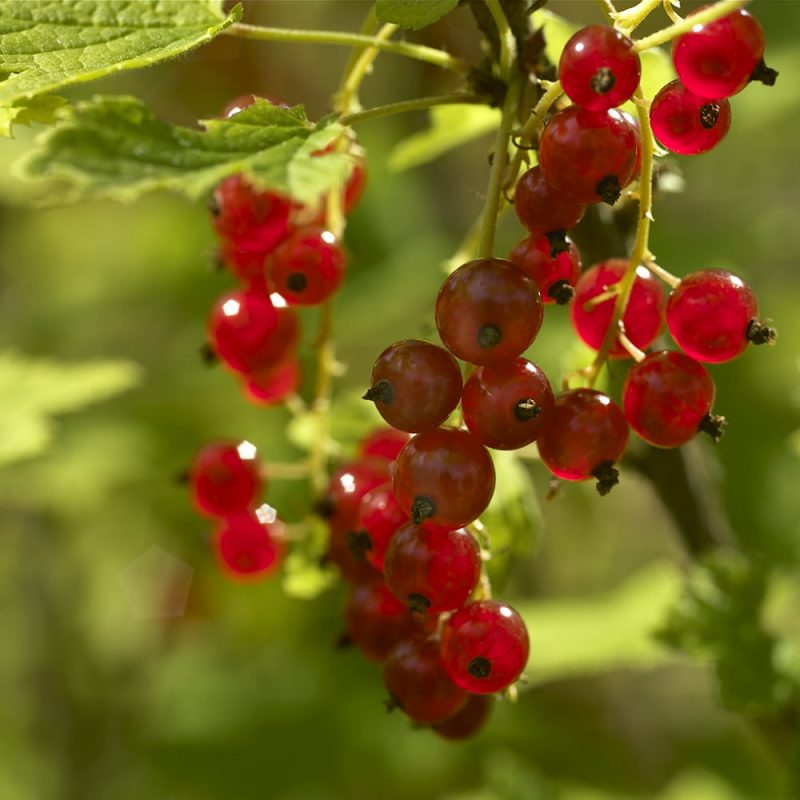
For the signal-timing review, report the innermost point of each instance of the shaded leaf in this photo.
(414, 14)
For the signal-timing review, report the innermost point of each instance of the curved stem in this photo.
(508, 44)
(404, 106)
(631, 18)
(347, 97)
(671, 32)
(430, 55)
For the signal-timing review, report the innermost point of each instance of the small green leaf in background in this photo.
(33, 391)
(414, 14)
(450, 127)
(557, 32)
(115, 146)
(48, 44)
(304, 574)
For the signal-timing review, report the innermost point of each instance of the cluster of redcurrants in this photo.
(283, 257)
(411, 585)
(226, 482)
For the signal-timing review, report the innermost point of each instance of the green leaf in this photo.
(450, 126)
(557, 32)
(48, 44)
(414, 14)
(586, 636)
(115, 146)
(33, 391)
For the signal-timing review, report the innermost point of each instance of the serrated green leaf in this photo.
(450, 127)
(414, 14)
(33, 391)
(48, 44)
(115, 146)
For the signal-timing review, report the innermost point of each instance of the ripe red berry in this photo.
(468, 721)
(543, 209)
(379, 517)
(247, 548)
(383, 443)
(488, 310)
(249, 333)
(717, 59)
(415, 385)
(554, 275)
(589, 155)
(667, 397)
(586, 435)
(444, 478)
(272, 386)
(484, 646)
(432, 570)
(417, 682)
(599, 68)
(687, 123)
(307, 268)
(644, 314)
(352, 566)
(713, 315)
(225, 478)
(507, 405)
(347, 487)
(375, 620)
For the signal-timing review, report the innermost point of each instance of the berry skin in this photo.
(415, 385)
(589, 155)
(247, 549)
(599, 68)
(383, 443)
(353, 567)
(418, 684)
(225, 478)
(347, 487)
(543, 209)
(272, 386)
(467, 722)
(432, 570)
(379, 517)
(555, 276)
(586, 435)
(507, 405)
(444, 478)
(644, 314)
(667, 397)
(686, 123)
(375, 620)
(308, 267)
(713, 315)
(484, 646)
(717, 59)
(249, 333)
(488, 310)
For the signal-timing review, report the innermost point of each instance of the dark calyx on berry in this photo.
(609, 190)
(382, 391)
(208, 355)
(603, 81)
(489, 336)
(526, 409)
(562, 292)
(558, 242)
(760, 333)
(764, 74)
(714, 425)
(421, 509)
(709, 114)
(358, 543)
(480, 667)
(607, 477)
(297, 281)
(324, 507)
(418, 603)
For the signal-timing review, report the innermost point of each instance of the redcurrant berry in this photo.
(586, 435)
(543, 209)
(444, 478)
(273, 386)
(347, 487)
(468, 721)
(225, 478)
(352, 566)
(507, 405)
(484, 646)
(375, 620)
(415, 385)
(488, 310)
(247, 548)
(383, 443)
(599, 68)
(379, 517)
(554, 275)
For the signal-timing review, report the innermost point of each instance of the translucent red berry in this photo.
(383, 443)
(554, 275)
(415, 385)
(667, 397)
(379, 517)
(687, 123)
(444, 478)
(717, 59)
(599, 68)
(432, 570)
(347, 487)
(417, 682)
(488, 310)
(507, 405)
(307, 268)
(484, 646)
(587, 434)
(644, 313)
(352, 565)
(589, 155)
(247, 548)
(543, 209)
(272, 386)
(225, 478)
(375, 620)
(468, 721)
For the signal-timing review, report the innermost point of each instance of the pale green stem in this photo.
(721, 9)
(404, 106)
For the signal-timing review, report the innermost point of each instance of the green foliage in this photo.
(32, 391)
(414, 14)
(116, 147)
(50, 44)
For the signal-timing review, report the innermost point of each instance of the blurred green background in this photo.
(111, 690)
